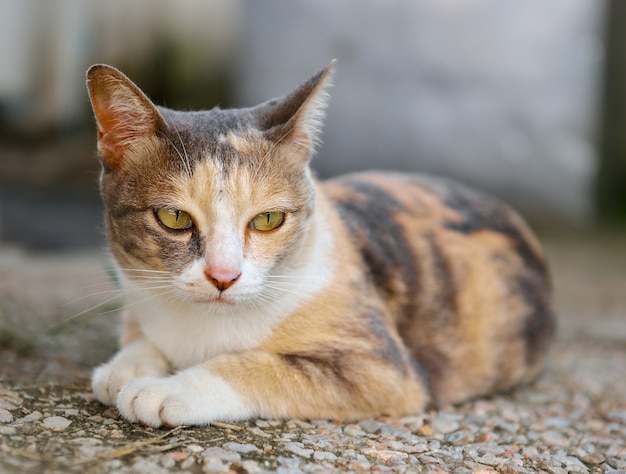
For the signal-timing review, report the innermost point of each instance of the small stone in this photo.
(511, 468)
(9, 400)
(618, 415)
(56, 422)
(459, 438)
(240, 448)
(359, 465)
(7, 430)
(427, 459)
(531, 453)
(259, 432)
(324, 456)
(370, 425)
(409, 448)
(5, 416)
(34, 416)
(445, 423)
(187, 463)
(220, 453)
(251, 467)
(594, 458)
(354, 431)
(194, 448)
(572, 463)
(145, 466)
(179, 456)
(554, 438)
(385, 454)
(111, 412)
(425, 430)
(211, 465)
(298, 449)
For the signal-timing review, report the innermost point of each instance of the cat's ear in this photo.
(296, 119)
(124, 115)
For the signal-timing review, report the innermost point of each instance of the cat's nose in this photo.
(222, 278)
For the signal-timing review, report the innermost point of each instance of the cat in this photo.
(255, 290)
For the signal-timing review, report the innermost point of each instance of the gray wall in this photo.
(501, 94)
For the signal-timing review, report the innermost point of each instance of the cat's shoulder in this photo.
(405, 208)
(409, 191)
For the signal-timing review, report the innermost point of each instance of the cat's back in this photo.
(461, 274)
(382, 208)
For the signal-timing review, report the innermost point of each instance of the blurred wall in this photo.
(498, 93)
(501, 94)
(49, 44)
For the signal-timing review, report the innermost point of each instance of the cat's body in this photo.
(257, 291)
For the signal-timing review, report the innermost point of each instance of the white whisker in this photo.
(184, 157)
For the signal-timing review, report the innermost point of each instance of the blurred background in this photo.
(526, 100)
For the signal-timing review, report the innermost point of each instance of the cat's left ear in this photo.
(296, 119)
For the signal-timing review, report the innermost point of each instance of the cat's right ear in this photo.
(295, 120)
(124, 115)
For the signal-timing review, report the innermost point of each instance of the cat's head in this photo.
(213, 204)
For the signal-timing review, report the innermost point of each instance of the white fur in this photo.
(191, 397)
(136, 359)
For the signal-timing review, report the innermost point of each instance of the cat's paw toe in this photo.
(108, 380)
(105, 384)
(152, 402)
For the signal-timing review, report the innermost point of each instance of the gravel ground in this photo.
(572, 420)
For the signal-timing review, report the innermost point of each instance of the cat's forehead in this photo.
(209, 125)
(231, 137)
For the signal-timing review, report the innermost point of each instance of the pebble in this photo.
(259, 432)
(298, 449)
(445, 423)
(33, 416)
(220, 453)
(240, 448)
(56, 422)
(5, 416)
(324, 456)
(385, 454)
(251, 467)
(7, 430)
(618, 415)
(554, 438)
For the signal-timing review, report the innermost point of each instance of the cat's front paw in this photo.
(188, 398)
(108, 379)
(131, 362)
(106, 384)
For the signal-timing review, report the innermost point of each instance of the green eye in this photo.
(173, 218)
(267, 221)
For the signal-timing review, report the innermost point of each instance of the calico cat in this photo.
(256, 291)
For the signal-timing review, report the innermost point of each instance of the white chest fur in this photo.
(189, 333)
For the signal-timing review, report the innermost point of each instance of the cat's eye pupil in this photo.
(173, 219)
(267, 221)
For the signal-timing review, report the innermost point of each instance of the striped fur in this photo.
(378, 294)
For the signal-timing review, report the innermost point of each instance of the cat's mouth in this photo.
(220, 299)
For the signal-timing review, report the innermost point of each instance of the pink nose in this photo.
(221, 278)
